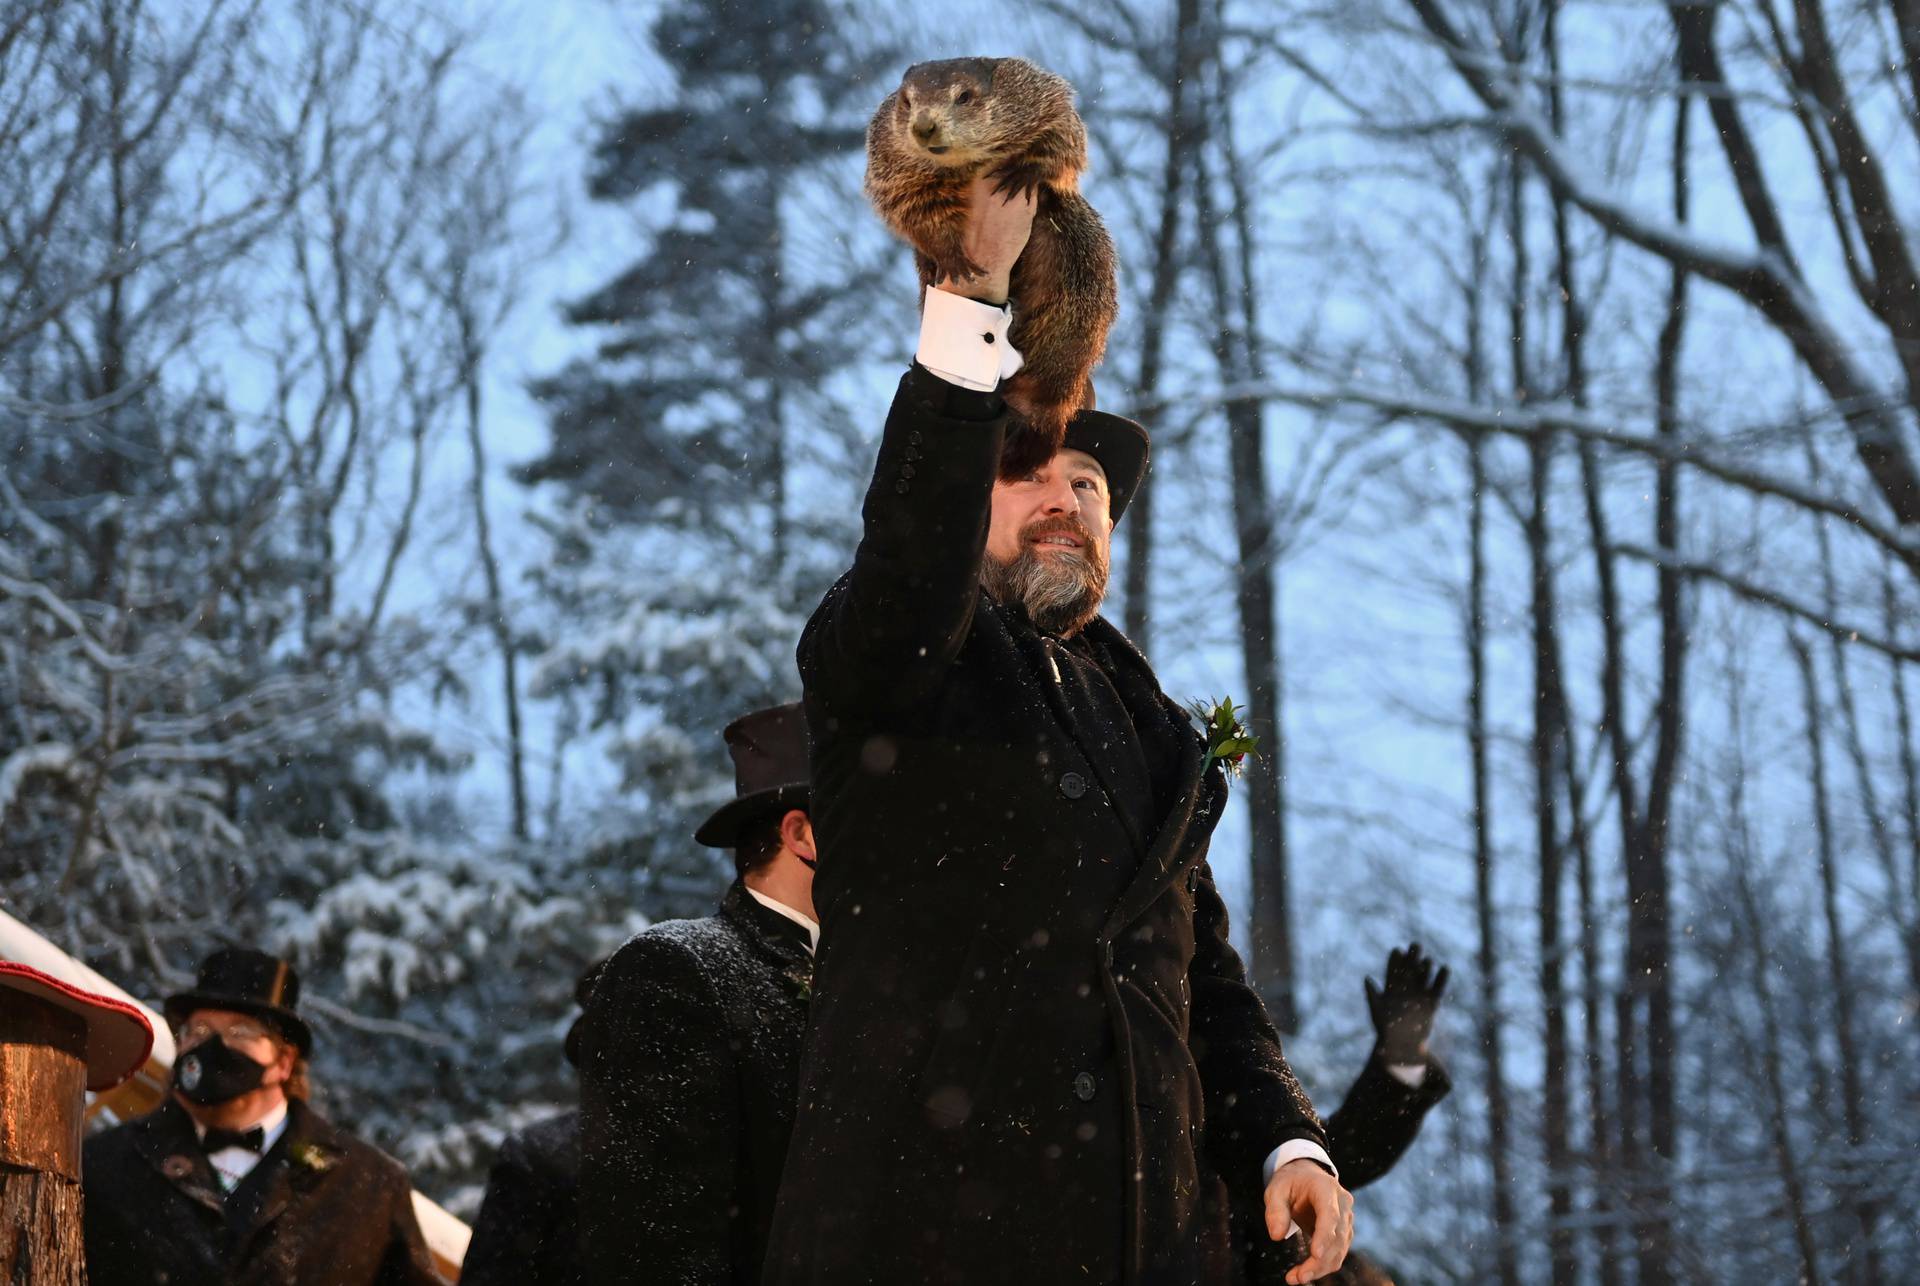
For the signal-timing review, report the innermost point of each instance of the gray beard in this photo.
(1061, 593)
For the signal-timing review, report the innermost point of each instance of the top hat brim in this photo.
(1120, 445)
(289, 1024)
(119, 1036)
(730, 821)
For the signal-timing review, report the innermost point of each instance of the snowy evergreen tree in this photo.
(682, 565)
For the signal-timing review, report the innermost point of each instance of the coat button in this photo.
(1083, 1087)
(906, 471)
(902, 487)
(1073, 785)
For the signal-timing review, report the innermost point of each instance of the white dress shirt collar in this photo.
(806, 922)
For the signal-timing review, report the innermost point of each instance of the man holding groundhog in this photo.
(1033, 1055)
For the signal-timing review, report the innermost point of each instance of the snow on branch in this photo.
(55, 607)
(41, 757)
(1528, 130)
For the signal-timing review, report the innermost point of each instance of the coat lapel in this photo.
(1197, 791)
(292, 1167)
(165, 1138)
(780, 941)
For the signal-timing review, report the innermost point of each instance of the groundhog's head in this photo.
(961, 111)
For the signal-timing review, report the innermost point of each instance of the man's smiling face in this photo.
(1026, 510)
(1047, 541)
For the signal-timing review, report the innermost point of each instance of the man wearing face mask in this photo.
(236, 1179)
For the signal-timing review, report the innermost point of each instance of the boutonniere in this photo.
(800, 979)
(1228, 741)
(311, 1156)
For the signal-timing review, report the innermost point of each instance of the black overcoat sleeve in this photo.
(1254, 1101)
(1379, 1119)
(407, 1261)
(523, 1211)
(884, 635)
(660, 1128)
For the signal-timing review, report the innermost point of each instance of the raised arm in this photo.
(887, 630)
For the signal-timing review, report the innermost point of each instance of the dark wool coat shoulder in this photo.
(689, 1054)
(321, 1208)
(527, 1231)
(1031, 1044)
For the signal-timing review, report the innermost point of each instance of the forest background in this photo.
(423, 426)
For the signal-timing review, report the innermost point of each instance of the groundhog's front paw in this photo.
(1019, 178)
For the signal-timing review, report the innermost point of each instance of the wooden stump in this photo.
(43, 1094)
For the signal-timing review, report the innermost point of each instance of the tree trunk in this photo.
(1491, 1040)
(1154, 324)
(497, 620)
(1256, 594)
(1769, 1056)
(1547, 744)
(1599, 1149)
(1903, 715)
(1852, 1095)
(1904, 915)
(1648, 1002)
(43, 1090)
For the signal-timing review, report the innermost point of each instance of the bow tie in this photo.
(218, 1140)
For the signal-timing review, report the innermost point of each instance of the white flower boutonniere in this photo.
(311, 1156)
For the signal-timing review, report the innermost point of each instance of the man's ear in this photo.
(796, 833)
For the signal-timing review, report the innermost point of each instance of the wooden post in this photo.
(43, 1092)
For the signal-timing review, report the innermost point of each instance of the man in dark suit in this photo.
(236, 1179)
(690, 1046)
(528, 1230)
(1032, 1046)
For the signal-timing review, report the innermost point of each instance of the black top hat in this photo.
(1119, 445)
(769, 749)
(247, 982)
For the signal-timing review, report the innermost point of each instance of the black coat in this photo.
(1031, 1042)
(527, 1231)
(1373, 1129)
(1379, 1118)
(689, 1055)
(321, 1208)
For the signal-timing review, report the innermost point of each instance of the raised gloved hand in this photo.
(1403, 1009)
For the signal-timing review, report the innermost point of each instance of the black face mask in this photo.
(214, 1072)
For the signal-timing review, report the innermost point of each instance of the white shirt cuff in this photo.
(1411, 1075)
(1294, 1150)
(964, 341)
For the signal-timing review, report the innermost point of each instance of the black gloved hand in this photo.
(1403, 1009)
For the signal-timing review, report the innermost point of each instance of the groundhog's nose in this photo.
(925, 128)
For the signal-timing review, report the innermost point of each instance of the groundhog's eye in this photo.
(905, 100)
(964, 97)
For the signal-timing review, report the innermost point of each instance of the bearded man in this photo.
(1033, 1055)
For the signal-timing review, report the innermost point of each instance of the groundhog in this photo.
(954, 120)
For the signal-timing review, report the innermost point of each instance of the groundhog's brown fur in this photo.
(948, 123)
